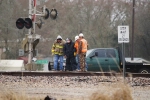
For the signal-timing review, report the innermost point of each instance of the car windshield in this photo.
(88, 52)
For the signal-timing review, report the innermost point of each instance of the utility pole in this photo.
(132, 51)
(29, 32)
(32, 15)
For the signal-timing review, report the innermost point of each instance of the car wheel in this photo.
(144, 70)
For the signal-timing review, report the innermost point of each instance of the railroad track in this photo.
(70, 73)
(134, 79)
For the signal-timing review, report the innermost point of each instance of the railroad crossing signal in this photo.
(39, 23)
(31, 41)
(20, 23)
(28, 23)
(25, 44)
(36, 41)
(53, 13)
(45, 12)
(30, 38)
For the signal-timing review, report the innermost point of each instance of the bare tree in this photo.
(97, 19)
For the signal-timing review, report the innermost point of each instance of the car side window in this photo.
(110, 53)
(101, 52)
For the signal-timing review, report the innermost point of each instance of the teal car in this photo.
(103, 59)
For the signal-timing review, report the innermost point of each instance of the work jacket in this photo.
(69, 49)
(76, 45)
(57, 47)
(83, 46)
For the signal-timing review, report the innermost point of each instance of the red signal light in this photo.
(20, 23)
(28, 23)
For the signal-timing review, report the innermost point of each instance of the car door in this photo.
(97, 63)
(113, 60)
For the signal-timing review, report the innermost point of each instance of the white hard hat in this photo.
(59, 37)
(67, 39)
(76, 37)
(81, 35)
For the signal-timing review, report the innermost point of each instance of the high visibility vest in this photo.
(76, 45)
(57, 48)
(84, 46)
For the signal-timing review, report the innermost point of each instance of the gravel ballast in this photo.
(71, 87)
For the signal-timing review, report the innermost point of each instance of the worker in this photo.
(69, 55)
(57, 51)
(77, 52)
(82, 47)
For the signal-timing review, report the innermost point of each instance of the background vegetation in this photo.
(97, 19)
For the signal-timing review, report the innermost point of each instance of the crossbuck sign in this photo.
(123, 34)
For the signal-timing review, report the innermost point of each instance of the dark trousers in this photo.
(71, 63)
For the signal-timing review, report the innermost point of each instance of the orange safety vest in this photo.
(84, 45)
(76, 45)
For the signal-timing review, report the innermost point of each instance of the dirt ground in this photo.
(71, 88)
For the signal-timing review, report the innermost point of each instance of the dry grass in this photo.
(16, 96)
(117, 91)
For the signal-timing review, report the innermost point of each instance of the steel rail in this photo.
(71, 73)
(146, 75)
(56, 73)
